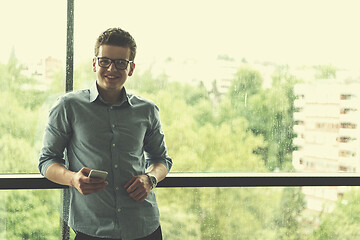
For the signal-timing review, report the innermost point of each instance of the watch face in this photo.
(153, 180)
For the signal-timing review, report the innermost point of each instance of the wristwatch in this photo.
(153, 180)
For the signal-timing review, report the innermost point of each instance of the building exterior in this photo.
(327, 125)
(43, 70)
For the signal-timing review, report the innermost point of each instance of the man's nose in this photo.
(112, 67)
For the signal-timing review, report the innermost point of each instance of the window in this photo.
(227, 76)
(31, 66)
(33, 37)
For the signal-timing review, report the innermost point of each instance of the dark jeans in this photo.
(157, 235)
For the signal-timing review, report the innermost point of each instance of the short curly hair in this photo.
(116, 37)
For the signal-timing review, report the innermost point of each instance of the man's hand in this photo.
(138, 187)
(86, 185)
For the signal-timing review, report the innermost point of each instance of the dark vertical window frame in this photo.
(69, 86)
(70, 46)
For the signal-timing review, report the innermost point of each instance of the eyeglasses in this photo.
(120, 64)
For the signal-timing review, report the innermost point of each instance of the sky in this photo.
(294, 32)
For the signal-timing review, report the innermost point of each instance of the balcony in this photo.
(350, 146)
(352, 117)
(299, 103)
(298, 141)
(299, 129)
(352, 103)
(299, 116)
(348, 132)
(349, 162)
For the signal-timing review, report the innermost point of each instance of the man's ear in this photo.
(132, 68)
(94, 65)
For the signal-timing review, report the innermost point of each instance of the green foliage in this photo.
(218, 213)
(192, 135)
(177, 223)
(205, 138)
(83, 76)
(144, 82)
(23, 214)
(344, 222)
(32, 214)
(11, 78)
(19, 154)
(247, 82)
(13, 115)
(268, 111)
(288, 219)
(325, 71)
(249, 130)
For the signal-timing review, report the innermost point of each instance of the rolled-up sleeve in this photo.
(154, 144)
(57, 136)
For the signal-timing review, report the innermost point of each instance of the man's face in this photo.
(111, 78)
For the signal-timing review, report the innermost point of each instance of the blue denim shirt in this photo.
(122, 139)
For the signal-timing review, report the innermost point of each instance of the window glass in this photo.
(242, 86)
(30, 214)
(33, 36)
(258, 213)
(204, 213)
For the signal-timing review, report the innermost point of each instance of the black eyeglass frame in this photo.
(114, 61)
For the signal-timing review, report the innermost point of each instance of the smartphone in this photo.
(98, 174)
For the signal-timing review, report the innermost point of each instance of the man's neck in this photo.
(110, 96)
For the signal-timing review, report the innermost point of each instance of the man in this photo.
(105, 128)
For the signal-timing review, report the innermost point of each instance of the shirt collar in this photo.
(94, 94)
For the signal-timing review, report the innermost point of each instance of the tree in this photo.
(32, 214)
(144, 82)
(279, 135)
(288, 219)
(344, 222)
(23, 213)
(246, 82)
(201, 139)
(250, 130)
(325, 71)
(268, 111)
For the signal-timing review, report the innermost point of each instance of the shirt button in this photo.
(115, 166)
(117, 188)
(113, 144)
(119, 210)
(113, 125)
